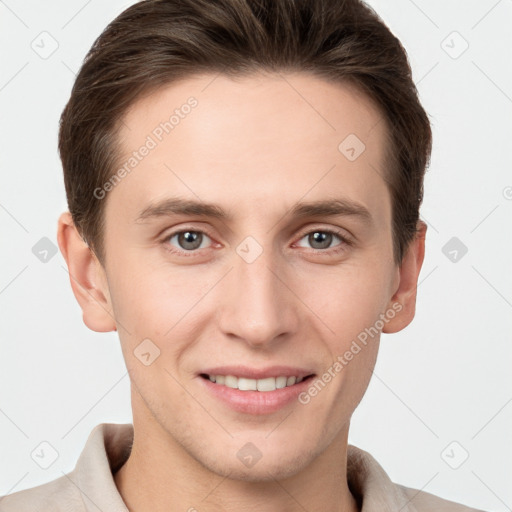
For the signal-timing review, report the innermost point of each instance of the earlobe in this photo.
(403, 300)
(87, 277)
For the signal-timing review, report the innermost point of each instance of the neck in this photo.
(160, 475)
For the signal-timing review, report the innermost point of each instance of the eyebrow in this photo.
(323, 208)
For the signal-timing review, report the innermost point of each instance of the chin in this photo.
(277, 466)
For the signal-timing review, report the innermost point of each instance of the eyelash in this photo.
(345, 241)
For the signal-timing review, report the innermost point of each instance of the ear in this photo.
(87, 277)
(403, 300)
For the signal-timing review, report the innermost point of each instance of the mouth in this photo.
(255, 392)
(263, 385)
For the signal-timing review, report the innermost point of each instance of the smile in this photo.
(251, 390)
(246, 384)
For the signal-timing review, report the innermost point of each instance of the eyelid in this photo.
(164, 239)
(346, 242)
(341, 233)
(346, 239)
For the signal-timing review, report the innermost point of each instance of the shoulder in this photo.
(373, 486)
(426, 502)
(59, 495)
(90, 482)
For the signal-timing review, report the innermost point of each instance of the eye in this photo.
(187, 240)
(321, 240)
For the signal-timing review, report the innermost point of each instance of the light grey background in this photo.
(446, 378)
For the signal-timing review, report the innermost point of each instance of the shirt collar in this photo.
(109, 445)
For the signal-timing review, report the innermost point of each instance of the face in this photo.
(272, 284)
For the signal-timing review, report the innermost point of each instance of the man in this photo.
(244, 181)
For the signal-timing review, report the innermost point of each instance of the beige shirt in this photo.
(90, 487)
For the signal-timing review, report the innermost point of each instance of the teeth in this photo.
(247, 384)
(281, 382)
(268, 384)
(243, 384)
(230, 382)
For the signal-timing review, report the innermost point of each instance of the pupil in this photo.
(189, 240)
(323, 238)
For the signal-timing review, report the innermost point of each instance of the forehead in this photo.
(253, 138)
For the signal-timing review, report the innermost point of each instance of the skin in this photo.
(255, 147)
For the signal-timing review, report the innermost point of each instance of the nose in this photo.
(256, 305)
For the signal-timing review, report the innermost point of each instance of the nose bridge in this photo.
(256, 307)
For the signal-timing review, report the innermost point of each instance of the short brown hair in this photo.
(156, 42)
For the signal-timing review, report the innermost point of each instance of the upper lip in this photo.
(258, 373)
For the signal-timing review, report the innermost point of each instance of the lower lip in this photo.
(255, 402)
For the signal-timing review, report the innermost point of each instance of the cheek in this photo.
(158, 301)
(350, 304)
(347, 299)
(160, 305)
(154, 299)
